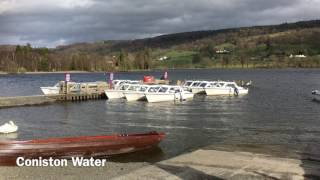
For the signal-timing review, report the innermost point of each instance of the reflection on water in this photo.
(277, 111)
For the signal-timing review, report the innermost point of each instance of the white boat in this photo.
(225, 88)
(51, 90)
(74, 88)
(9, 127)
(138, 94)
(316, 95)
(167, 93)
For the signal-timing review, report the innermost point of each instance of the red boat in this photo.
(84, 146)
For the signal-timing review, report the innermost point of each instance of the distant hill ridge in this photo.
(284, 45)
(169, 40)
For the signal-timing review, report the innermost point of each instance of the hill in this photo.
(284, 45)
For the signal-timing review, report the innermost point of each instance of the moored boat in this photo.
(316, 95)
(225, 88)
(51, 90)
(167, 93)
(85, 146)
(8, 127)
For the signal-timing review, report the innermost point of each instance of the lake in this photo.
(278, 111)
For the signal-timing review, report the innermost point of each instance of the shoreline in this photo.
(226, 162)
(150, 70)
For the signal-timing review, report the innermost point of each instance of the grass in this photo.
(177, 59)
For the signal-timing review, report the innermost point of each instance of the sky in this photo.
(50, 23)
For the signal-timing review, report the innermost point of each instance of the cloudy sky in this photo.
(57, 22)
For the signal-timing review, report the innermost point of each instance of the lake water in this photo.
(278, 111)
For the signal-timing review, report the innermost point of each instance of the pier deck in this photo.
(42, 99)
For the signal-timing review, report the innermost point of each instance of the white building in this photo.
(163, 58)
(297, 56)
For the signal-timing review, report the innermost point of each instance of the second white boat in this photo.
(167, 93)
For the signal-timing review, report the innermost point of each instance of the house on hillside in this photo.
(163, 58)
(297, 56)
(222, 51)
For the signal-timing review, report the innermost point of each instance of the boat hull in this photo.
(160, 97)
(134, 96)
(197, 90)
(86, 146)
(154, 97)
(224, 91)
(114, 94)
(49, 90)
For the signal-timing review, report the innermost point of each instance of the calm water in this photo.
(277, 111)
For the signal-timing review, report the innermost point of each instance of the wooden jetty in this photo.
(67, 92)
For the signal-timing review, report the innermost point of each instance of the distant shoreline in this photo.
(145, 70)
(54, 72)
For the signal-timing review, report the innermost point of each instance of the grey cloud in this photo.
(127, 19)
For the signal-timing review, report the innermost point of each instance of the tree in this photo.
(197, 59)
(123, 60)
(147, 58)
(225, 60)
(207, 51)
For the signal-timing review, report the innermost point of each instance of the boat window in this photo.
(120, 83)
(132, 88)
(203, 84)
(231, 85)
(143, 88)
(177, 90)
(195, 84)
(171, 90)
(188, 83)
(153, 89)
(124, 87)
(163, 89)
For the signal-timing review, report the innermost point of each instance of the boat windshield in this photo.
(124, 87)
(115, 82)
(230, 85)
(195, 84)
(163, 89)
(134, 82)
(220, 84)
(133, 88)
(188, 83)
(143, 88)
(203, 84)
(154, 89)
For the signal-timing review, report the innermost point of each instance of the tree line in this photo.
(27, 59)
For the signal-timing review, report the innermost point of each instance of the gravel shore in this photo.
(112, 169)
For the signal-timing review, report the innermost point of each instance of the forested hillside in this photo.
(285, 45)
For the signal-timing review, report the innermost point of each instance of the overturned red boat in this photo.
(84, 146)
